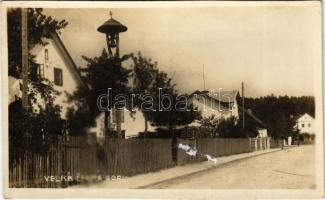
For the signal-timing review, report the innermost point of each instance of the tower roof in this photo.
(112, 26)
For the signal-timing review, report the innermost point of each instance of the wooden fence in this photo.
(83, 159)
(215, 147)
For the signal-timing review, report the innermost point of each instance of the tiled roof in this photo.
(221, 95)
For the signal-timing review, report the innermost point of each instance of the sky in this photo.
(273, 48)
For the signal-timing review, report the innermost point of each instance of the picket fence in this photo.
(85, 160)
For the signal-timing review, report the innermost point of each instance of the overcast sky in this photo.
(272, 48)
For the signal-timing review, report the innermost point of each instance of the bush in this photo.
(230, 128)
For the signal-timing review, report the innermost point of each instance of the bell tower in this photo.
(112, 28)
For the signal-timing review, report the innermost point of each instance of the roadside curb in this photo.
(205, 170)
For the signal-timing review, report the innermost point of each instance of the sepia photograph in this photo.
(162, 100)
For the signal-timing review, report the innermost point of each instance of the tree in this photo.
(42, 120)
(162, 85)
(230, 128)
(278, 113)
(101, 73)
(143, 81)
(210, 123)
(40, 27)
(173, 116)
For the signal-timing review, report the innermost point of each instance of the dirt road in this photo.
(286, 169)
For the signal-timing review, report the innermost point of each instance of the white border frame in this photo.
(162, 193)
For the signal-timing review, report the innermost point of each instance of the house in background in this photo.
(221, 104)
(305, 126)
(132, 124)
(213, 106)
(254, 124)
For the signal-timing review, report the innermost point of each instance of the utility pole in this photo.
(203, 79)
(243, 103)
(24, 57)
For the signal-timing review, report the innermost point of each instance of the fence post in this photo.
(250, 143)
(255, 141)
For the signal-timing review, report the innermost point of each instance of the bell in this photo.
(112, 42)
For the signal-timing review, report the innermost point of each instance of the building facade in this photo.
(221, 104)
(56, 65)
(305, 124)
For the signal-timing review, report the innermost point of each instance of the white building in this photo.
(221, 104)
(305, 124)
(56, 65)
(131, 126)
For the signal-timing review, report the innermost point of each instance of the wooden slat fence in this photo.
(215, 147)
(83, 159)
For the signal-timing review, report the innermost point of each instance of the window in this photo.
(58, 77)
(46, 54)
(309, 125)
(40, 71)
(302, 125)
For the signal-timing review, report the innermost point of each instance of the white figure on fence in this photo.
(210, 158)
(193, 152)
(188, 150)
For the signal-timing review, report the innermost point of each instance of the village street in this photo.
(274, 168)
(289, 168)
